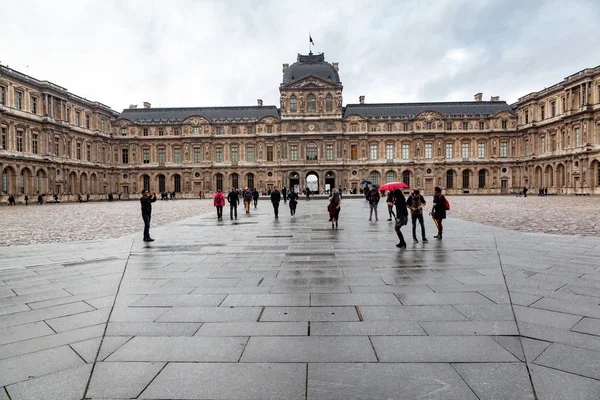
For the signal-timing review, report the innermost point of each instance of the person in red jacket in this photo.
(219, 202)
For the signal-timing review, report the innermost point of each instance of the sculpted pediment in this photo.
(429, 115)
(195, 120)
(353, 118)
(310, 82)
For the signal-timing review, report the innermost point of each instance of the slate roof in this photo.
(410, 110)
(213, 114)
(311, 64)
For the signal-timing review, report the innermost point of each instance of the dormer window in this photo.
(310, 103)
(328, 102)
(293, 104)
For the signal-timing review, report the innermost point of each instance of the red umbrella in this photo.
(392, 186)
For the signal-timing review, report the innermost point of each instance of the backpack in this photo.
(447, 203)
(218, 200)
(374, 196)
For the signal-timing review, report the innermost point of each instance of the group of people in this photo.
(249, 196)
(168, 196)
(40, 199)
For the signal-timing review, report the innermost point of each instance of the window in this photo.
(553, 109)
(293, 104)
(465, 150)
(19, 140)
(449, 150)
(448, 126)
(218, 154)
(577, 136)
(235, 157)
(312, 152)
(466, 175)
(481, 150)
(161, 132)
(146, 156)
(3, 132)
(125, 156)
(329, 152)
(553, 143)
(405, 151)
(250, 181)
(481, 178)
(196, 130)
(405, 127)
(197, 154)
(78, 151)
(526, 116)
(77, 118)
(328, 102)
(428, 126)
(354, 152)
(310, 103)
(373, 128)
(234, 130)
(428, 150)
(249, 129)
(465, 126)
(250, 153)
(373, 152)
(374, 178)
(504, 125)
(543, 112)
(269, 153)
(103, 126)
(564, 105)
(389, 151)
(34, 143)
(161, 155)
(390, 127)
(481, 126)
(406, 177)
(87, 121)
(146, 133)
(177, 183)
(176, 133)
(34, 104)
(390, 177)
(18, 100)
(449, 179)
(123, 131)
(294, 152)
(329, 127)
(56, 146)
(542, 144)
(176, 155)
(218, 130)
(2, 95)
(503, 149)
(526, 148)
(219, 181)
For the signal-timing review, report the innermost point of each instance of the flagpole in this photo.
(309, 43)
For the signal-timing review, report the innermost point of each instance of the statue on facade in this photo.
(301, 102)
(338, 99)
(320, 102)
(283, 101)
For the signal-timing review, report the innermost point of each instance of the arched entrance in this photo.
(219, 182)
(235, 181)
(330, 179)
(538, 177)
(295, 181)
(41, 182)
(549, 176)
(466, 179)
(93, 184)
(146, 182)
(312, 181)
(250, 181)
(560, 176)
(26, 180)
(83, 183)
(9, 180)
(162, 187)
(73, 181)
(482, 178)
(177, 183)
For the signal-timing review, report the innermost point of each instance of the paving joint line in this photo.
(152, 380)
(87, 386)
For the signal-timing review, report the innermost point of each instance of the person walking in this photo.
(374, 202)
(11, 200)
(335, 204)
(366, 192)
(255, 197)
(284, 193)
(308, 194)
(219, 202)
(293, 197)
(275, 199)
(26, 200)
(40, 199)
(525, 190)
(146, 200)
(415, 203)
(401, 216)
(390, 204)
(233, 199)
(439, 210)
(247, 199)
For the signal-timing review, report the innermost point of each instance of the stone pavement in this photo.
(290, 309)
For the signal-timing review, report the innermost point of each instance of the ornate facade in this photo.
(53, 141)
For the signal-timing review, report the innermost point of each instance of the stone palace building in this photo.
(55, 142)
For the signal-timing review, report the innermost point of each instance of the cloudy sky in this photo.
(222, 52)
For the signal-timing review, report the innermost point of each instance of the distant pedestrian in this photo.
(546, 191)
(335, 205)
(55, 197)
(40, 200)
(87, 197)
(308, 192)
(374, 202)
(219, 202)
(255, 196)
(119, 194)
(247, 200)
(200, 194)
(401, 216)
(366, 192)
(439, 210)
(390, 205)
(275, 199)
(11, 200)
(110, 197)
(415, 203)
(525, 191)
(233, 200)
(293, 197)
(26, 200)
(284, 193)
(146, 200)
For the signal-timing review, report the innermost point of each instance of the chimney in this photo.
(285, 67)
(147, 105)
(259, 101)
(478, 97)
(495, 98)
(361, 99)
(336, 66)
(133, 106)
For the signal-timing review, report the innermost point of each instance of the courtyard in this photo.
(258, 308)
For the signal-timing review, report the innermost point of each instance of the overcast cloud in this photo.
(222, 53)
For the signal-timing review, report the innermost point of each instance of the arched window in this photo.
(374, 178)
(465, 175)
(219, 181)
(161, 184)
(293, 104)
(234, 181)
(329, 103)
(390, 177)
(406, 178)
(312, 151)
(177, 183)
(481, 178)
(250, 179)
(146, 181)
(310, 103)
(450, 179)
(5, 180)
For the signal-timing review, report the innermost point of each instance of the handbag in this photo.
(403, 220)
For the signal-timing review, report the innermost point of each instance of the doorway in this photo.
(329, 181)
(504, 186)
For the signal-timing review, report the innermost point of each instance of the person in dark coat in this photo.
(11, 200)
(374, 202)
(275, 199)
(26, 200)
(255, 197)
(233, 199)
(293, 197)
(335, 204)
(439, 210)
(401, 216)
(415, 203)
(40, 199)
(146, 200)
(308, 194)
(284, 193)
(247, 199)
(366, 192)
(390, 203)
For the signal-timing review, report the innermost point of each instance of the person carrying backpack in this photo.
(219, 202)
(335, 203)
(415, 203)
(247, 199)
(440, 205)
(373, 202)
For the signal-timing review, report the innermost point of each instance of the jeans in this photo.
(146, 218)
(233, 211)
(414, 218)
(255, 202)
(276, 209)
(391, 212)
(220, 212)
(373, 207)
